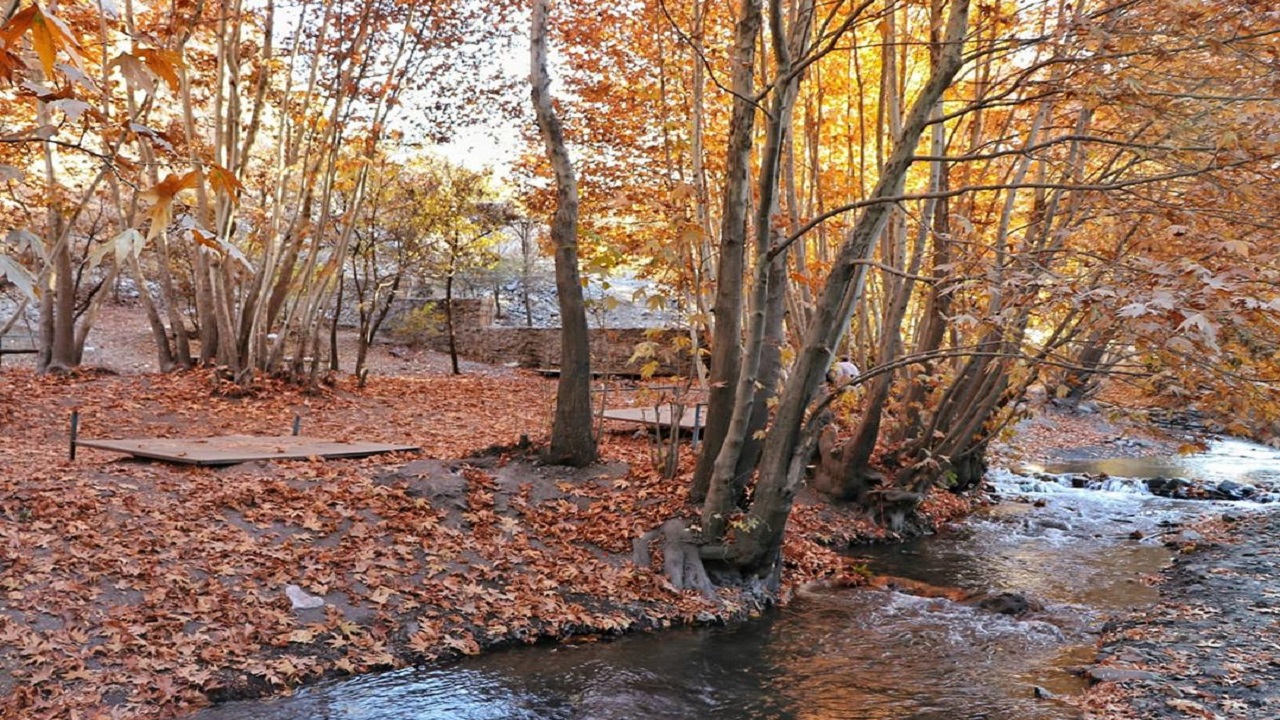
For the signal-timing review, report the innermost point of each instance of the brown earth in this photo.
(140, 589)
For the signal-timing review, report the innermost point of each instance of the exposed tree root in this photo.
(681, 560)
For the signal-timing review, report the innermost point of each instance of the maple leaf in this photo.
(162, 196)
(164, 63)
(225, 183)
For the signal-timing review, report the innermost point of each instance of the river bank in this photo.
(1210, 645)
(1210, 648)
(139, 589)
(1060, 558)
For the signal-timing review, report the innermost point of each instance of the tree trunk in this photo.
(855, 475)
(524, 230)
(448, 322)
(572, 442)
(333, 326)
(769, 376)
(730, 476)
(57, 306)
(754, 548)
(1079, 382)
(62, 322)
(163, 349)
(726, 351)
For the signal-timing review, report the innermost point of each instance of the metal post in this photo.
(75, 431)
(297, 424)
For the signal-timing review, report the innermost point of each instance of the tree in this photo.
(458, 222)
(1064, 142)
(754, 550)
(219, 133)
(385, 252)
(726, 349)
(572, 442)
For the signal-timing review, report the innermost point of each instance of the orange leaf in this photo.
(172, 185)
(162, 194)
(9, 62)
(44, 38)
(205, 239)
(17, 25)
(224, 182)
(164, 63)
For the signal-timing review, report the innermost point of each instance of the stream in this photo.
(855, 654)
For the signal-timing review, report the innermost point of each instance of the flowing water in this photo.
(849, 654)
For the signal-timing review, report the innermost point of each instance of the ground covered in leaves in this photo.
(1211, 647)
(139, 589)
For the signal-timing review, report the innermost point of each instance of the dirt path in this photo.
(121, 342)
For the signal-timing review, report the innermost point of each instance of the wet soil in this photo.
(1211, 647)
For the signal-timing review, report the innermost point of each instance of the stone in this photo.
(1168, 487)
(1008, 604)
(301, 600)
(1215, 671)
(1184, 537)
(1232, 490)
(1042, 693)
(1120, 674)
(1055, 524)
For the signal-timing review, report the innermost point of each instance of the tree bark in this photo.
(572, 442)
(729, 476)
(726, 350)
(448, 321)
(754, 549)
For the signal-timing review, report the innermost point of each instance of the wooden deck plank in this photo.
(232, 449)
(662, 416)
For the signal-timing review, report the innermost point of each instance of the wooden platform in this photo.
(26, 345)
(690, 419)
(232, 449)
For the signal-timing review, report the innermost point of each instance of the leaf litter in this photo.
(135, 589)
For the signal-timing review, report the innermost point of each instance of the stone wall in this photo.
(537, 348)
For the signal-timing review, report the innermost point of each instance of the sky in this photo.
(492, 144)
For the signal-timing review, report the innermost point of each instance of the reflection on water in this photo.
(1225, 459)
(841, 654)
(865, 655)
(1068, 553)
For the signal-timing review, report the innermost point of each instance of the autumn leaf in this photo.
(162, 195)
(225, 183)
(134, 71)
(18, 25)
(20, 276)
(128, 244)
(48, 36)
(44, 40)
(9, 63)
(164, 63)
